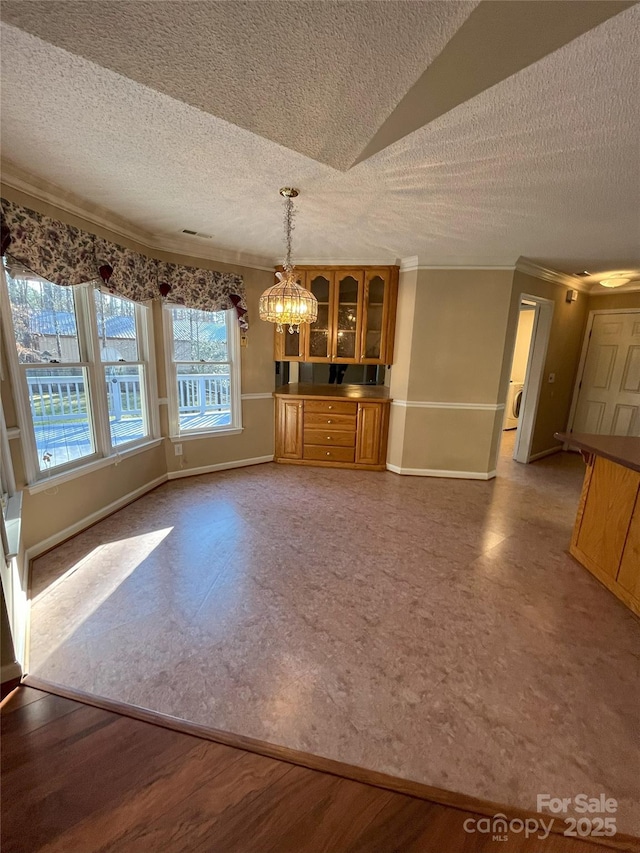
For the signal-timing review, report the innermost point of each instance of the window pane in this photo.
(60, 411)
(204, 396)
(44, 320)
(199, 335)
(125, 397)
(116, 328)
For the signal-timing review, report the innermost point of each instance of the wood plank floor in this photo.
(77, 779)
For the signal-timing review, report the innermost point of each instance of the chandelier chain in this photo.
(288, 228)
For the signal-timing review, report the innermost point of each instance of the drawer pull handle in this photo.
(328, 453)
(330, 407)
(328, 438)
(329, 421)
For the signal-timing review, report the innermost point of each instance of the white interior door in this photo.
(609, 392)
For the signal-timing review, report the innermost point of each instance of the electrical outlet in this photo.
(177, 449)
(244, 340)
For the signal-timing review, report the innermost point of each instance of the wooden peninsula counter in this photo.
(606, 535)
(336, 426)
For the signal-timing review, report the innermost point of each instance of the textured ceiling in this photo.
(317, 77)
(544, 164)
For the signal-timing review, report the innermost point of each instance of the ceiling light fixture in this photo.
(287, 303)
(614, 281)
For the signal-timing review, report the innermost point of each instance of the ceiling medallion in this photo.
(287, 303)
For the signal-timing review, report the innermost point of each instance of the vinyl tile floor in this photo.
(433, 629)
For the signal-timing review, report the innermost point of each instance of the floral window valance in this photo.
(66, 255)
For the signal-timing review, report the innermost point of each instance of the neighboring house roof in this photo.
(52, 322)
(209, 332)
(120, 327)
(64, 323)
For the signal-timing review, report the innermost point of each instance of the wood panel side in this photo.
(368, 433)
(289, 429)
(607, 514)
(629, 574)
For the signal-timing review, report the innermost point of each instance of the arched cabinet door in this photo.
(375, 308)
(320, 333)
(349, 286)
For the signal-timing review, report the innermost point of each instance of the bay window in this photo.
(80, 370)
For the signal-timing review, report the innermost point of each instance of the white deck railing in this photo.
(63, 398)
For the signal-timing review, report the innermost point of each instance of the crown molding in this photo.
(529, 267)
(507, 267)
(18, 179)
(342, 262)
(409, 264)
(413, 263)
(196, 249)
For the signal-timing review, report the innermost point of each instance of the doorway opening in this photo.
(525, 379)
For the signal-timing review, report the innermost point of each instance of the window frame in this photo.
(98, 413)
(233, 360)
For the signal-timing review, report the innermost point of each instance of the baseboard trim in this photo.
(438, 472)
(89, 520)
(221, 466)
(396, 784)
(543, 453)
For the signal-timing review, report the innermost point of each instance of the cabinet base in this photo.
(311, 463)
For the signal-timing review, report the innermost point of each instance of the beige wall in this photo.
(454, 356)
(563, 355)
(47, 513)
(612, 301)
(455, 344)
(398, 377)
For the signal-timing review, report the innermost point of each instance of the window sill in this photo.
(81, 470)
(190, 436)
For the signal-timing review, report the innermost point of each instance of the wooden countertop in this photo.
(623, 449)
(334, 392)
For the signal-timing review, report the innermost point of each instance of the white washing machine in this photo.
(514, 404)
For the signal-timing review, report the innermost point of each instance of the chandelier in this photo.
(287, 303)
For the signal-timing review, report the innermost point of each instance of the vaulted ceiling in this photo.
(459, 132)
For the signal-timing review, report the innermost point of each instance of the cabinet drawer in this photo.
(332, 438)
(330, 407)
(317, 420)
(329, 454)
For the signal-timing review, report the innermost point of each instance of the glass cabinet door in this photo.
(319, 283)
(348, 301)
(374, 319)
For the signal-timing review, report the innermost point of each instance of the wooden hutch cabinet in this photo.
(337, 426)
(356, 317)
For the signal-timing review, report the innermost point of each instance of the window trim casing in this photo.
(104, 453)
(234, 359)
